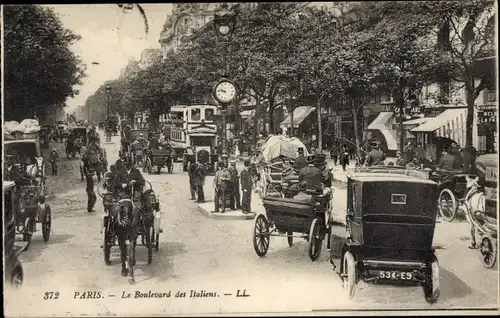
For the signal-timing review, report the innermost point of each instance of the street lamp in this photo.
(108, 119)
(225, 90)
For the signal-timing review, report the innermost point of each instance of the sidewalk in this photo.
(209, 206)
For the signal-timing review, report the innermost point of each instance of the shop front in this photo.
(438, 133)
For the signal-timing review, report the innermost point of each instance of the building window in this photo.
(491, 96)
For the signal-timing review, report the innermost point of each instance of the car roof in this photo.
(388, 177)
(8, 184)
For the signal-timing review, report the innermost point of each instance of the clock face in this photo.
(225, 92)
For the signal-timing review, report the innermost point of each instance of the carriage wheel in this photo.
(315, 239)
(150, 240)
(447, 205)
(431, 284)
(261, 235)
(349, 275)
(488, 252)
(290, 238)
(47, 224)
(17, 276)
(27, 236)
(106, 246)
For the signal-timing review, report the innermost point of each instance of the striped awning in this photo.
(299, 115)
(379, 124)
(449, 124)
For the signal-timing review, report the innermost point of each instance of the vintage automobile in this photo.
(148, 226)
(13, 268)
(284, 217)
(391, 217)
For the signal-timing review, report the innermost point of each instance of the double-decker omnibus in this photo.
(193, 128)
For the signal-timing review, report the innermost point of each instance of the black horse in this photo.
(127, 220)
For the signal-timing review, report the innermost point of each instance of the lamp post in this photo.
(225, 91)
(108, 113)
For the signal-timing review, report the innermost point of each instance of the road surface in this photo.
(213, 258)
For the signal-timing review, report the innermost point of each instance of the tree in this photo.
(40, 69)
(395, 45)
(469, 28)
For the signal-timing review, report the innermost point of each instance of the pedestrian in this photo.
(334, 154)
(400, 161)
(246, 188)
(447, 161)
(191, 173)
(235, 201)
(53, 158)
(408, 152)
(218, 187)
(344, 157)
(89, 187)
(199, 181)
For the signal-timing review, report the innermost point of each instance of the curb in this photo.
(220, 216)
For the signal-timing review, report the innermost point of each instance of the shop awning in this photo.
(449, 124)
(416, 121)
(379, 124)
(380, 121)
(299, 115)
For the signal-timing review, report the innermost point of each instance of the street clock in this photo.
(225, 91)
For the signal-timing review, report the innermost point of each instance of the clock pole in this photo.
(224, 21)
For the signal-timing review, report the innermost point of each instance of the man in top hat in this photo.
(312, 175)
(375, 156)
(246, 188)
(301, 161)
(234, 185)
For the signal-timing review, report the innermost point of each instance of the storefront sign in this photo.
(487, 114)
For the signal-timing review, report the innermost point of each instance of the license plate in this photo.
(395, 275)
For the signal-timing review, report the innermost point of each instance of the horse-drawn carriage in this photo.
(275, 167)
(76, 142)
(159, 159)
(13, 268)
(284, 217)
(124, 220)
(481, 208)
(138, 146)
(391, 217)
(30, 174)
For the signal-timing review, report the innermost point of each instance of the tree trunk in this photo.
(354, 110)
(271, 116)
(256, 121)
(320, 133)
(470, 120)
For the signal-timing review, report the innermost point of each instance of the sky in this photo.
(110, 37)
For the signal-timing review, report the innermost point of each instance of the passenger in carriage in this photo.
(312, 175)
(303, 196)
(301, 161)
